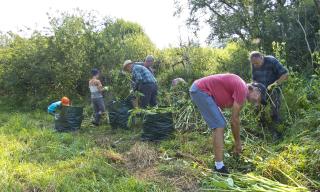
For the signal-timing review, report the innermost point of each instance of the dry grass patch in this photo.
(181, 175)
(147, 174)
(103, 141)
(113, 156)
(141, 155)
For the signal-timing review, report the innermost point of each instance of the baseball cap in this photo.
(263, 92)
(127, 62)
(95, 71)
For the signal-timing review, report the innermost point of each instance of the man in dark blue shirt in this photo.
(148, 62)
(268, 71)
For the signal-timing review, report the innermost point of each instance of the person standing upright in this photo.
(268, 71)
(148, 63)
(96, 90)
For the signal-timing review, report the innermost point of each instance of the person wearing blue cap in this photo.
(96, 90)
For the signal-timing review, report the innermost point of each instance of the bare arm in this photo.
(99, 85)
(235, 126)
(283, 78)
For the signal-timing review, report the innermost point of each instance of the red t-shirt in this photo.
(224, 88)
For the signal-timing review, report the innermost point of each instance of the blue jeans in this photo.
(208, 108)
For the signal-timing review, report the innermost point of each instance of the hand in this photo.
(273, 85)
(106, 88)
(237, 148)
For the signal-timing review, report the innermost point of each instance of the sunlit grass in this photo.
(33, 157)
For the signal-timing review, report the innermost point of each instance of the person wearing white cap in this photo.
(144, 82)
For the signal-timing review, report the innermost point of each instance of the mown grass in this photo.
(33, 157)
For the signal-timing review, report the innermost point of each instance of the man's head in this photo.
(65, 101)
(178, 81)
(149, 61)
(257, 94)
(127, 65)
(95, 72)
(256, 59)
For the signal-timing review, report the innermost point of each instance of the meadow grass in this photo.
(33, 157)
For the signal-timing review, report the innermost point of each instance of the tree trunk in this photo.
(308, 45)
(317, 3)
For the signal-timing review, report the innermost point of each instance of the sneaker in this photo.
(223, 170)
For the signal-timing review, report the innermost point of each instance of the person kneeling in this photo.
(52, 108)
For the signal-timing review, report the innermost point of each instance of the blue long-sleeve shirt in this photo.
(142, 64)
(141, 75)
(53, 107)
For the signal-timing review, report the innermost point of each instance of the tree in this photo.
(259, 23)
(35, 71)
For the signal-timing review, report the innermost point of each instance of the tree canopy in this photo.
(46, 66)
(260, 23)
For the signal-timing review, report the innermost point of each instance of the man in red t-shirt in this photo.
(224, 91)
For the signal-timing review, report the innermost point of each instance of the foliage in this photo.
(43, 68)
(37, 70)
(45, 160)
(248, 182)
(121, 84)
(259, 23)
(191, 63)
(287, 161)
(186, 116)
(35, 158)
(234, 59)
(187, 62)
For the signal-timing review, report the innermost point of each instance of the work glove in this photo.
(106, 88)
(272, 86)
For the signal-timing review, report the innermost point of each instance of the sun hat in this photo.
(126, 63)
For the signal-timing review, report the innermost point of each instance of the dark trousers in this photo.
(275, 104)
(149, 91)
(99, 108)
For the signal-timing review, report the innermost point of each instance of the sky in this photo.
(155, 16)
